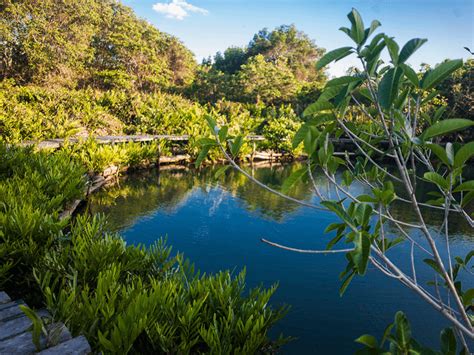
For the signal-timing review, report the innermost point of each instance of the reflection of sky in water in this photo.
(218, 225)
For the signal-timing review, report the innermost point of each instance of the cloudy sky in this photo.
(208, 26)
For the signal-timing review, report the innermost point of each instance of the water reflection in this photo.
(218, 225)
(145, 192)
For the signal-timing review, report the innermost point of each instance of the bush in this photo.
(122, 298)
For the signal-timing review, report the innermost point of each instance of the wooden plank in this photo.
(78, 345)
(11, 304)
(23, 343)
(10, 313)
(4, 298)
(18, 325)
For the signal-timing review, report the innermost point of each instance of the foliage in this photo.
(399, 337)
(88, 42)
(123, 298)
(276, 67)
(34, 188)
(392, 98)
(127, 298)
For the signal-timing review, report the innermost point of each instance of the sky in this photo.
(208, 26)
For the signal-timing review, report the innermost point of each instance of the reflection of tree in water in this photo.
(140, 194)
(145, 192)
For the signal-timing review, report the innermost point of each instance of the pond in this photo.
(219, 224)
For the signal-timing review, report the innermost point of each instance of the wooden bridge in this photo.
(16, 336)
(58, 142)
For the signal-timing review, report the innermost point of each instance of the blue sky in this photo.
(208, 26)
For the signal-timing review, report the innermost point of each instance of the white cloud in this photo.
(177, 9)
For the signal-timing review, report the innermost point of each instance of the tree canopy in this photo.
(88, 42)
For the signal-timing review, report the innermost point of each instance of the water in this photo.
(219, 224)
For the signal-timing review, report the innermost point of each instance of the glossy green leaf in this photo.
(393, 49)
(202, 155)
(236, 145)
(446, 126)
(410, 74)
(317, 107)
(448, 342)
(441, 72)
(465, 186)
(333, 55)
(300, 135)
(464, 154)
(342, 80)
(346, 283)
(357, 29)
(367, 340)
(388, 87)
(439, 152)
(436, 179)
(403, 329)
(409, 48)
(361, 252)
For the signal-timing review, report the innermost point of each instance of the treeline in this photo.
(90, 67)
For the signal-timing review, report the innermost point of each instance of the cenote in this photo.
(218, 224)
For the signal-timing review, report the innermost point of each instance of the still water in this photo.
(218, 224)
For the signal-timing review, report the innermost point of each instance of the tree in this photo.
(88, 42)
(267, 82)
(395, 96)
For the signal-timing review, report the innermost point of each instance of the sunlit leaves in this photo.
(317, 107)
(441, 72)
(361, 252)
(333, 55)
(410, 74)
(446, 126)
(409, 48)
(357, 31)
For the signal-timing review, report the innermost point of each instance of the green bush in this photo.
(122, 298)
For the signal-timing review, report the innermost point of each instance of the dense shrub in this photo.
(122, 298)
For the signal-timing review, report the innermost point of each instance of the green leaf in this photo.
(409, 48)
(434, 265)
(317, 107)
(342, 80)
(291, 180)
(446, 126)
(346, 283)
(236, 145)
(388, 87)
(221, 171)
(202, 155)
(448, 342)
(361, 252)
(410, 74)
(464, 154)
(403, 329)
(333, 55)
(392, 49)
(223, 133)
(441, 72)
(357, 29)
(320, 119)
(373, 26)
(367, 340)
(465, 186)
(439, 152)
(300, 135)
(340, 212)
(211, 123)
(436, 179)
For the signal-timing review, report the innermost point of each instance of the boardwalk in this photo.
(16, 336)
(57, 143)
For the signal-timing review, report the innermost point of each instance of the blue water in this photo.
(219, 224)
